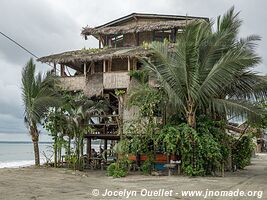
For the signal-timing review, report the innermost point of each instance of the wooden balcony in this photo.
(95, 83)
(73, 83)
(116, 80)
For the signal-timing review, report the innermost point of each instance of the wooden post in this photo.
(106, 40)
(99, 44)
(109, 65)
(129, 64)
(137, 39)
(89, 147)
(115, 39)
(134, 64)
(55, 69)
(104, 66)
(93, 68)
(84, 69)
(105, 148)
(62, 70)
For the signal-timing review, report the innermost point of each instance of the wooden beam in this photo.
(104, 66)
(109, 65)
(106, 41)
(129, 64)
(99, 44)
(134, 64)
(84, 69)
(62, 70)
(89, 147)
(55, 69)
(93, 68)
(137, 39)
(115, 39)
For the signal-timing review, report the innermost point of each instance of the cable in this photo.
(19, 45)
(22, 47)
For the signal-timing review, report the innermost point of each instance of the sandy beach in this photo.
(50, 183)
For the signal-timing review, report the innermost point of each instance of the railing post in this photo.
(62, 70)
(104, 65)
(84, 69)
(129, 64)
(55, 69)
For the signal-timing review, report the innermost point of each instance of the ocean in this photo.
(19, 154)
(16, 150)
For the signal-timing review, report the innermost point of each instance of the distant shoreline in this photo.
(22, 142)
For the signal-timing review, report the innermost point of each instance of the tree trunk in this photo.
(55, 150)
(36, 153)
(35, 140)
(191, 121)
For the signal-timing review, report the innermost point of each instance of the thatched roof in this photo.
(88, 55)
(135, 27)
(136, 16)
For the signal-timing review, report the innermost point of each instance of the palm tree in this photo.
(209, 71)
(80, 109)
(38, 94)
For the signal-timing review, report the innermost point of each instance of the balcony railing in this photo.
(95, 83)
(73, 83)
(116, 80)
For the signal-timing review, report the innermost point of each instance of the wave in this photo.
(17, 164)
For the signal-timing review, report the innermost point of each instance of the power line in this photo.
(9, 38)
(22, 47)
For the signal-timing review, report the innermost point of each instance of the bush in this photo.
(116, 170)
(146, 167)
(242, 152)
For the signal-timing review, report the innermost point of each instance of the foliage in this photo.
(242, 151)
(118, 169)
(146, 167)
(71, 120)
(119, 92)
(140, 75)
(205, 73)
(148, 100)
(209, 71)
(93, 50)
(39, 93)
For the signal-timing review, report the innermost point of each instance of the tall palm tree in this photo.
(38, 94)
(209, 71)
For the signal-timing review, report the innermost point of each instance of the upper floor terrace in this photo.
(137, 28)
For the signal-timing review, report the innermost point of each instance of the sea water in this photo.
(16, 150)
(19, 154)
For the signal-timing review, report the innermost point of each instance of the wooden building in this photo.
(101, 71)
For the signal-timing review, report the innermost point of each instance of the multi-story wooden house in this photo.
(103, 70)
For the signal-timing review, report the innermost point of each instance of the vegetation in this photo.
(38, 94)
(184, 93)
(209, 72)
(242, 151)
(204, 73)
(71, 121)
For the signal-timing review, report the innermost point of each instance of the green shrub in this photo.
(146, 167)
(116, 170)
(242, 151)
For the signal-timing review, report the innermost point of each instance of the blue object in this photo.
(160, 166)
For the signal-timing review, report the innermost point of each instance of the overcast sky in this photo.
(53, 26)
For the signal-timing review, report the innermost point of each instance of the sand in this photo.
(57, 184)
